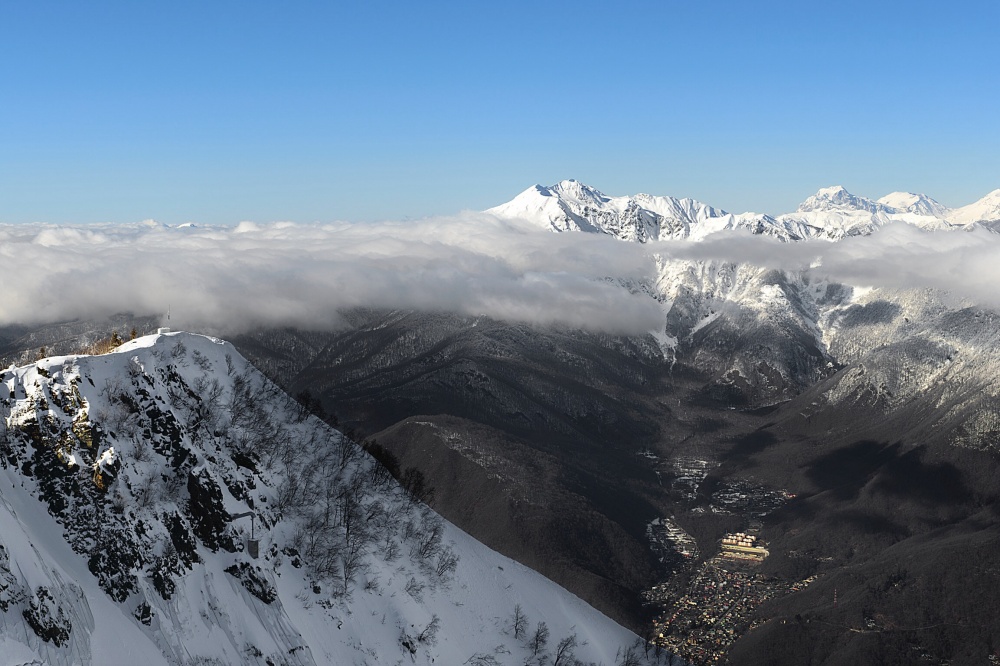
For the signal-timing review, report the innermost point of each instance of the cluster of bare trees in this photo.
(345, 505)
(345, 513)
(535, 638)
(426, 635)
(104, 345)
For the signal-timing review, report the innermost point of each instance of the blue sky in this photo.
(225, 111)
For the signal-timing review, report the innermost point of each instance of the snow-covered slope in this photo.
(986, 209)
(127, 486)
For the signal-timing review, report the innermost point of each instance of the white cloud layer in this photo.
(898, 256)
(282, 274)
(231, 279)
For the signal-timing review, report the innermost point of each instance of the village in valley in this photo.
(709, 600)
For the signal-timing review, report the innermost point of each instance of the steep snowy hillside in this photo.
(914, 347)
(130, 484)
(754, 330)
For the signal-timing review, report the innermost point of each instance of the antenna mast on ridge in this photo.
(165, 329)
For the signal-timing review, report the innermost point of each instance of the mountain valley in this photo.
(853, 429)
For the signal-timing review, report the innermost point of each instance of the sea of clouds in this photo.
(231, 279)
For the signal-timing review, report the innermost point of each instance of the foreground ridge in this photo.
(123, 481)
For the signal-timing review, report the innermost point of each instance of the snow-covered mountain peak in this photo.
(577, 192)
(986, 209)
(838, 199)
(833, 191)
(919, 204)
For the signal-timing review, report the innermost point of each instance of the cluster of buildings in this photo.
(746, 498)
(743, 546)
(701, 623)
(717, 608)
(667, 537)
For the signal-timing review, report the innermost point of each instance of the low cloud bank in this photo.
(281, 274)
(231, 279)
(898, 256)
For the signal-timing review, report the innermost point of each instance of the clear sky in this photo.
(217, 112)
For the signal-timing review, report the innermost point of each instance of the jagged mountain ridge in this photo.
(830, 214)
(573, 206)
(121, 481)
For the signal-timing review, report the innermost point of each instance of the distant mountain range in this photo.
(832, 213)
(765, 335)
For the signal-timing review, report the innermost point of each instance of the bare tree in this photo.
(429, 542)
(414, 587)
(480, 659)
(349, 452)
(519, 622)
(201, 361)
(429, 634)
(539, 639)
(326, 563)
(628, 657)
(289, 492)
(390, 548)
(145, 492)
(447, 562)
(352, 561)
(141, 449)
(564, 651)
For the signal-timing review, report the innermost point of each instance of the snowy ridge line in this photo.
(120, 480)
(832, 213)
